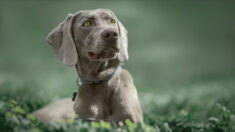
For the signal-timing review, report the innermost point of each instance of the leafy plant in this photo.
(16, 117)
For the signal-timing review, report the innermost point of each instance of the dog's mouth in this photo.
(110, 53)
(92, 55)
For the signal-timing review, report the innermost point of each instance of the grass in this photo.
(194, 107)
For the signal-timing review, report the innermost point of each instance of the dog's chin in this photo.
(107, 54)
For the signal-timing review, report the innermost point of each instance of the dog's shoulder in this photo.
(125, 76)
(126, 82)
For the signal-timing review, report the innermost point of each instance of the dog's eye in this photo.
(87, 23)
(112, 21)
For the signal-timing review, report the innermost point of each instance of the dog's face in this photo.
(96, 34)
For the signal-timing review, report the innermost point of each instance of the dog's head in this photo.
(95, 34)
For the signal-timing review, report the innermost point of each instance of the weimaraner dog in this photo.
(94, 42)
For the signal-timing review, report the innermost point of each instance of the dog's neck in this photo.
(95, 70)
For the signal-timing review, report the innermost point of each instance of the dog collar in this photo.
(87, 82)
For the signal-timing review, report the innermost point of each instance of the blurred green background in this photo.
(182, 53)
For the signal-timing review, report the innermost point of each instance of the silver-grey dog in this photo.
(95, 42)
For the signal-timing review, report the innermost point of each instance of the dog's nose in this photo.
(109, 35)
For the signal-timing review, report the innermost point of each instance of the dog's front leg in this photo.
(125, 105)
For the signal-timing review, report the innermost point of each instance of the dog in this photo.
(95, 43)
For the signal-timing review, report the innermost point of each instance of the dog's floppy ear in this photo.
(62, 43)
(123, 54)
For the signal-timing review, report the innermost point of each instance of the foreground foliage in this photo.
(15, 116)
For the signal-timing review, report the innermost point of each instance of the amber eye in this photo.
(112, 21)
(87, 23)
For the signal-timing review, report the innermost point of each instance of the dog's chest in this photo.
(94, 102)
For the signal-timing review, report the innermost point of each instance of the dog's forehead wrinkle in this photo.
(84, 15)
(90, 14)
(105, 15)
(97, 13)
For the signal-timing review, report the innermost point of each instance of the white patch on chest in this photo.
(94, 109)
